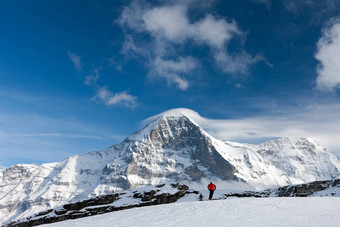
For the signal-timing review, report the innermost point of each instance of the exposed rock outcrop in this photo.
(316, 188)
(161, 194)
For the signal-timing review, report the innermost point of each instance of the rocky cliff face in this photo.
(170, 148)
(174, 149)
(329, 188)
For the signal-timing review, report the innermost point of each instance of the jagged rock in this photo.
(304, 190)
(247, 194)
(44, 212)
(148, 195)
(300, 190)
(105, 204)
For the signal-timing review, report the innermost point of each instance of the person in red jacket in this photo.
(211, 188)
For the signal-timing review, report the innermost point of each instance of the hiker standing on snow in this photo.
(211, 188)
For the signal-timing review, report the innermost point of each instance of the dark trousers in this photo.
(211, 193)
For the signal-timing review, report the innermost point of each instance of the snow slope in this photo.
(164, 194)
(311, 211)
(170, 148)
(138, 197)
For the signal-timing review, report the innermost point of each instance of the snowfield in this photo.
(309, 211)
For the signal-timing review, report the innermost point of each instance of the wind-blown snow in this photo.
(178, 112)
(153, 121)
(231, 212)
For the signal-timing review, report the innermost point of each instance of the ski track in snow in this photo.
(313, 211)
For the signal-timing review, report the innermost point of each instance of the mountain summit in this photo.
(172, 147)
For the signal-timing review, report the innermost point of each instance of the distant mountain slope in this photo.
(170, 148)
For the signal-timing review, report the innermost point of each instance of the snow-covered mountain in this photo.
(170, 148)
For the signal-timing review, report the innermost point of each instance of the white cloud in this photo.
(170, 29)
(239, 63)
(267, 3)
(130, 48)
(48, 139)
(110, 99)
(320, 9)
(113, 63)
(92, 78)
(328, 54)
(76, 60)
(171, 70)
(215, 32)
(318, 122)
(291, 6)
(132, 16)
(172, 23)
(105, 95)
(168, 22)
(295, 6)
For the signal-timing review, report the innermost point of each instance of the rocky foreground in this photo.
(145, 196)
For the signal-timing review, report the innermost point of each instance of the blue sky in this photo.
(77, 76)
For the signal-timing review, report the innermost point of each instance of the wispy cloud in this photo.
(92, 78)
(267, 3)
(170, 70)
(291, 5)
(111, 99)
(172, 23)
(170, 30)
(321, 9)
(318, 122)
(54, 134)
(238, 63)
(328, 54)
(29, 137)
(103, 94)
(76, 60)
(17, 125)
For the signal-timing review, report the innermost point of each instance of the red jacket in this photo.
(211, 186)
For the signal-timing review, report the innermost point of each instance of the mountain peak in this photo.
(179, 112)
(167, 116)
(175, 113)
